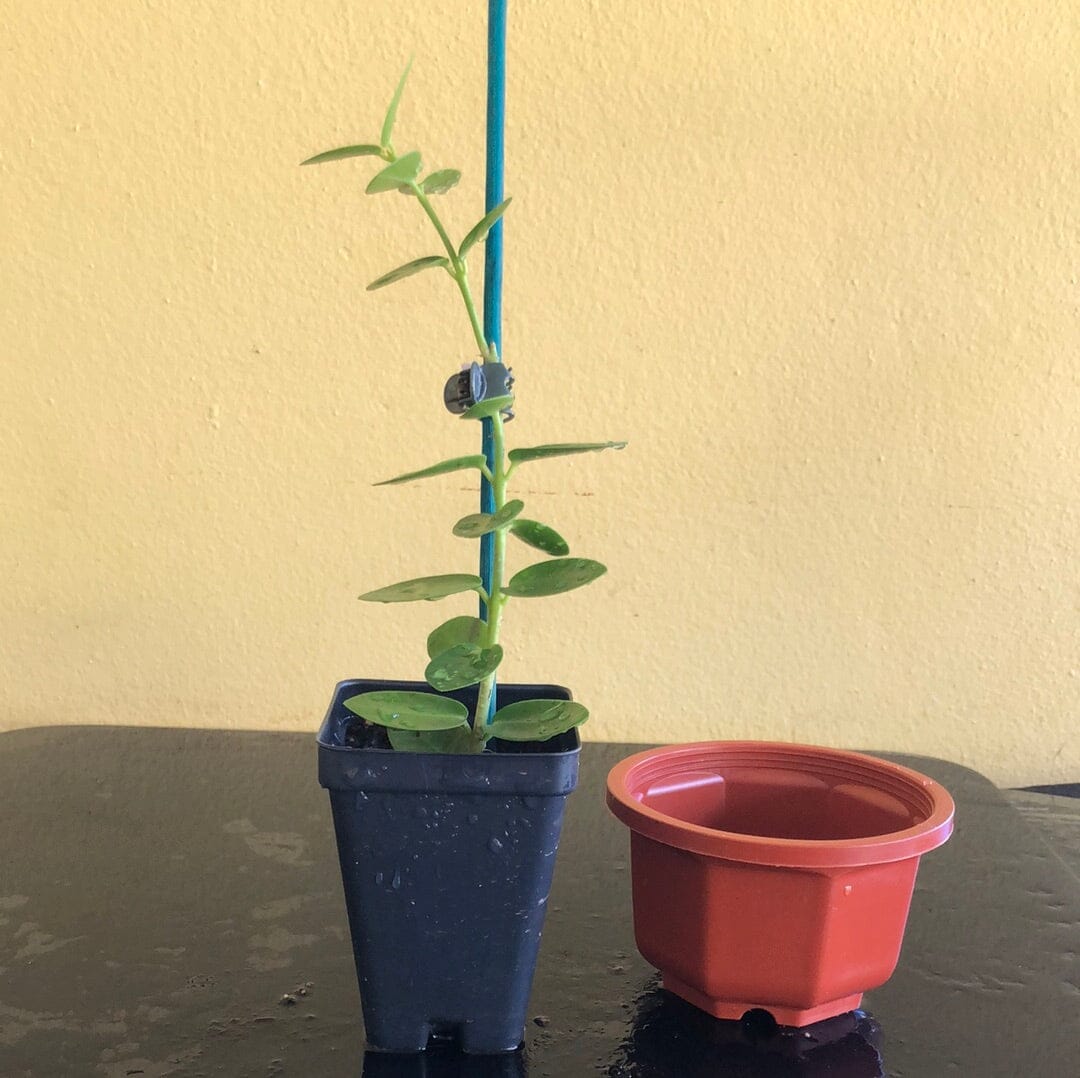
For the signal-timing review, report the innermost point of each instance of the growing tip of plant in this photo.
(391, 112)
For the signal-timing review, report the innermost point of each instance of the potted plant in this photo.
(447, 809)
(773, 877)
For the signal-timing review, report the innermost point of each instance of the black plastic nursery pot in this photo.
(446, 862)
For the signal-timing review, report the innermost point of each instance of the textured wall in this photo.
(818, 263)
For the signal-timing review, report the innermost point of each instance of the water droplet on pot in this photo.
(473, 818)
(495, 844)
(379, 878)
(396, 881)
(421, 812)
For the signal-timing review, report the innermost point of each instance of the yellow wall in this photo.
(817, 262)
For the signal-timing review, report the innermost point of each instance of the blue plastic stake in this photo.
(493, 258)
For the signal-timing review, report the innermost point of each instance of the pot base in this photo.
(784, 1016)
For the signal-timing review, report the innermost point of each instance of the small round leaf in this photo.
(400, 174)
(483, 409)
(477, 524)
(409, 710)
(536, 720)
(461, 630)
(554, 577)
(438, 183)
(462, 665)
(458, 740)
(540, 536)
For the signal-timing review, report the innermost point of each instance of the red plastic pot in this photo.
(773, 876)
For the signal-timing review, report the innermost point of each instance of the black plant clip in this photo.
(478, 382)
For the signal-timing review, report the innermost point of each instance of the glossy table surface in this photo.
(170, 905)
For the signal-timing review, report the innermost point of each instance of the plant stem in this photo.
(459, 271)
(496, 599)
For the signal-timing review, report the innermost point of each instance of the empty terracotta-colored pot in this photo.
(773, 876)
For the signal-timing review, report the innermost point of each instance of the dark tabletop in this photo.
(170, 905)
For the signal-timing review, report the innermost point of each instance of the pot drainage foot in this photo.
(735, 1010)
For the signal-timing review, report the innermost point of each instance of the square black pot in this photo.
(446, 862)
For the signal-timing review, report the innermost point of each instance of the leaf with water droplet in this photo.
(477, 524)
(460, 630)
(462, 665)
(536, 720)
(553, 577)
(563, 449)
(396, 176)
(458, 740)
(540, 536)
(401, 710)
(426, 588)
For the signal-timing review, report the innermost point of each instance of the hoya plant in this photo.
(465, 650)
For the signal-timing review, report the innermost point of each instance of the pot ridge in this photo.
(631, 783)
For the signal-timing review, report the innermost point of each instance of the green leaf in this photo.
(458, 740)
(477, 524)
(536, 720)
(418, 264)
(553, 577)
(457, 464)
(540, 536)
(409, 710)
(483, 409)
(363, 150)
(461, 630)
(391, 112)
(541, 452)
(427, 588)
(461, 665)
(438, 183)
(396, 176)
(482, 227)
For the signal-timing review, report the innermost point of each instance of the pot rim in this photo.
(537, 769)
(627, 780)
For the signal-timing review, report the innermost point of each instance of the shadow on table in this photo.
(670, 1039)
(1061, 789)
(440, 1063)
